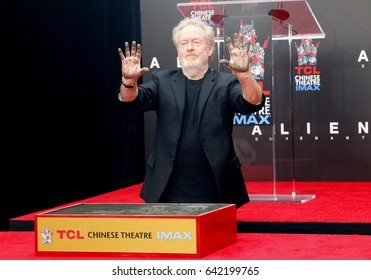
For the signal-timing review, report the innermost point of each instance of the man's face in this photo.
(193, 50)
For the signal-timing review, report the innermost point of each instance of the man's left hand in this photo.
(239, 55)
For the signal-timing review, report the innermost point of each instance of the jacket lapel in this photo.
(178, 86)
(207, 86)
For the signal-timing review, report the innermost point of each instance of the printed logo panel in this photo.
(146, 235)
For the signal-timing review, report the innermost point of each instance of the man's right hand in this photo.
(130, 64)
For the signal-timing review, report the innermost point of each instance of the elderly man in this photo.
(194, 160)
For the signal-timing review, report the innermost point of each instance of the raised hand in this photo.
(130, 63)
(239, 58)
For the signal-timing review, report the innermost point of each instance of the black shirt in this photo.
(192, 179)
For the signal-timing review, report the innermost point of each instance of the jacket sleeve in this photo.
(147, 95)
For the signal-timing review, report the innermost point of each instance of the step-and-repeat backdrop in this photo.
(316, 122)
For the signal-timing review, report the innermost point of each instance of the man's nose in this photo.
(190, 46)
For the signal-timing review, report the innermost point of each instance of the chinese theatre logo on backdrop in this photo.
(212, 15)
(307, 76)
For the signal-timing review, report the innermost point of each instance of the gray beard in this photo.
(191, 69)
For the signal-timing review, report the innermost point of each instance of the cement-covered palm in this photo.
(238, 54)
(130, 62)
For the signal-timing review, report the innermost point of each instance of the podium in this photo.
(286, 20)
(156, 229)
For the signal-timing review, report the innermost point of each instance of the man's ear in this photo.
(211, 49)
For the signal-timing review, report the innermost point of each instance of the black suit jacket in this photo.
(220, 98)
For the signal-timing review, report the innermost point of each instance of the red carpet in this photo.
(337, 203)
(346, 202)
(20, 246)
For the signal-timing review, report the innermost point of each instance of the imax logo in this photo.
(161, 235)
(307, 88)
(251, 119)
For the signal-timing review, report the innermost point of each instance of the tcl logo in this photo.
(202, 7)
(70, 234)
(307, 70)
